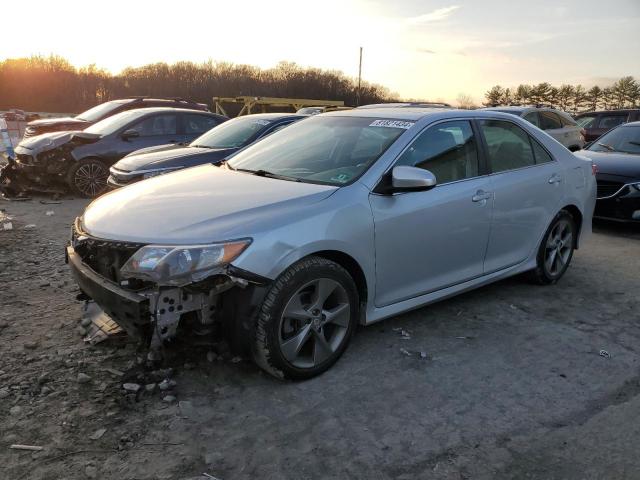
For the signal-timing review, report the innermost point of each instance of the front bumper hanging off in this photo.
(130, 310)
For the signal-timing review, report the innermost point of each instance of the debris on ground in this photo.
(7, 226)
(405, 352)
(97, 435)
(131, 387)
(605, 354)
(33, 448)
(405, 334)
(50, 213)
(30, 226)
(83, 378)
(169, 399)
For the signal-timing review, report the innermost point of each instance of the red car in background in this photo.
(599, 123)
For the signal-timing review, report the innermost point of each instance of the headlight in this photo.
(182, 264)
(160, 171)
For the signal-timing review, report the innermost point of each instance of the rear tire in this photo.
(88, 177)
(556, 250)
(306, 319)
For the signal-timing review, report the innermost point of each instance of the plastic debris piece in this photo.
(30, 226)
(102, 326)
(424, 355)
(405, 352)
(7, 226)
(605, 354)
(33, 448)
(98, 434)
(50, 213)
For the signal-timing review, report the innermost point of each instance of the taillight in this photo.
(594, 169)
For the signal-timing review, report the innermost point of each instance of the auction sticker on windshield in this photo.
(391, 124)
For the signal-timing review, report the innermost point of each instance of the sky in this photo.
(421, 49)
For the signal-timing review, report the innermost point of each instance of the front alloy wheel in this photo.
(89, 178)
(306, 319)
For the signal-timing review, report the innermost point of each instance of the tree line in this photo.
(624, 93)
(52, 84)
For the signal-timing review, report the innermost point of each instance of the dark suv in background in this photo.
(599, 123)
(104, 110)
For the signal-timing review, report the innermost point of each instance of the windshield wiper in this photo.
(199, 146)
(608, 147)
(266, 173)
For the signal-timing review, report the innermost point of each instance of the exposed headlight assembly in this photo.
(179, 265)
(160, 171)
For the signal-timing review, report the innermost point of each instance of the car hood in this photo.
(174, 157)
(614, 163)
(198, 205)
(49, 141)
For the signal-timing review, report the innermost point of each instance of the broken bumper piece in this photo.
(130, 310)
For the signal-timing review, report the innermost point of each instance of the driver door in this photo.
(429, 240)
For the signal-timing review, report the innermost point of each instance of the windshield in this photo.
(623, 139)
(99, 111)
(328, 150)
(233, 133)
(114, 123)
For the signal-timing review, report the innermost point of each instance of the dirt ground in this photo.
(514, 385)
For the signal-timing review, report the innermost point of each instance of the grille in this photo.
(25, 159)
(606, 189)
(105, 257)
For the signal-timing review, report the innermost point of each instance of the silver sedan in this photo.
(343, 218)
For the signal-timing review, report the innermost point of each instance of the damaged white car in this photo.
(343, 218)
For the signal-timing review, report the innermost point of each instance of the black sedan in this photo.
(617, 157)
(81, 160)
(212, 147)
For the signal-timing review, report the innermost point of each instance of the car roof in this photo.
(597, 112)
(509, 108)
(631, 124)
(399, 113)
(171, 109)
(273, 116)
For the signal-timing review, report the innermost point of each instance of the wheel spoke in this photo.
(338, 315)
(321, 348)
(296, 310)
(323, 288)
(550, 261)
(291, 348)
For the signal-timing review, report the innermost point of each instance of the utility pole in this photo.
(359, 79)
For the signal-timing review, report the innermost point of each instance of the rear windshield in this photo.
(322, 149)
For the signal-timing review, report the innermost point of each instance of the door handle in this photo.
(555, 178)
(480, 196)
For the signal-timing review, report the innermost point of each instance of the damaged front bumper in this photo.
(228, 299)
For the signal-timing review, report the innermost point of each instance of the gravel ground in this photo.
(513, 384)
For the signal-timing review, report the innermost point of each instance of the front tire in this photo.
(556, 249)
(306, 320)
(88, 178)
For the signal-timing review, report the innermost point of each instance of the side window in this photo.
(508, 146)
(197, 124)
(610, 121)
(157, 125)
(549, 121)
(532, 117)
(448, 150)
(540, 154)
(567, 121)
(588, 121)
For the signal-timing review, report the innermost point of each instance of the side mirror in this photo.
(411, 179)
(131, 133)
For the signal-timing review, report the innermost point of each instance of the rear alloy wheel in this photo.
(556, 249)
(306, 320)
(88, 178)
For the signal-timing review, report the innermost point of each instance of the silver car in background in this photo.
(560, 125)
(342, 218)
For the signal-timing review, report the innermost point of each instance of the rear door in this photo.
(527, 185)
(609, 120)
(429, 240)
